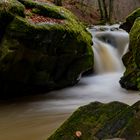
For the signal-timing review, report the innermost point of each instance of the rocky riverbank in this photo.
(131, 77)
(42, 47)
(98, 121)
(115, 120)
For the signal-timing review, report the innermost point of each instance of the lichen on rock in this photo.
(98, 121)
(42, 47)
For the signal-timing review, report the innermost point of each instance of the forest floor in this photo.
(87, 14)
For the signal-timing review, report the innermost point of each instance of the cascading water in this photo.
(106, 58)
(109, 47)
(37, 117)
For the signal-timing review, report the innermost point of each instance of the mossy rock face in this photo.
(127, 25)
(98, 121)
(41, 47)
(131, 77)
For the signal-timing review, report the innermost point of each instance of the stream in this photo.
(37, 117)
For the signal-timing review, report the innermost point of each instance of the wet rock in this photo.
(42, 47)
(131, 77)
(114, 29)
(98, 121)
(127, 25)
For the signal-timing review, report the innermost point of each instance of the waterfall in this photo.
(37, 117)
(106, 58)
(109, 47)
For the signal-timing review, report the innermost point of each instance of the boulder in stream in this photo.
(127, 25)
(131, 60)
(99, 121)
(42, 47)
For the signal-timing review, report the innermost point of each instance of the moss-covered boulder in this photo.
(127, 25)
(98, 121)
(131, 60)
(42, 47)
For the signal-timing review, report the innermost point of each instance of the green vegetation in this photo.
(127, 25)
(98, 121)
(131, 78)
(41, 55)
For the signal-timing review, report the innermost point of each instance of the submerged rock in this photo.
(98, 121)
(131, 60)
(42, 47)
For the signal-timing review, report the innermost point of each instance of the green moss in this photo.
(44, 9)
(8, 9)
(132, 129)
(101, 121)
(133, 16)
(127, 25)
(52, 55)
(131, 60)
(135, 41)
(12, 7)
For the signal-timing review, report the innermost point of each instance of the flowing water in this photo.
(36, 117)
